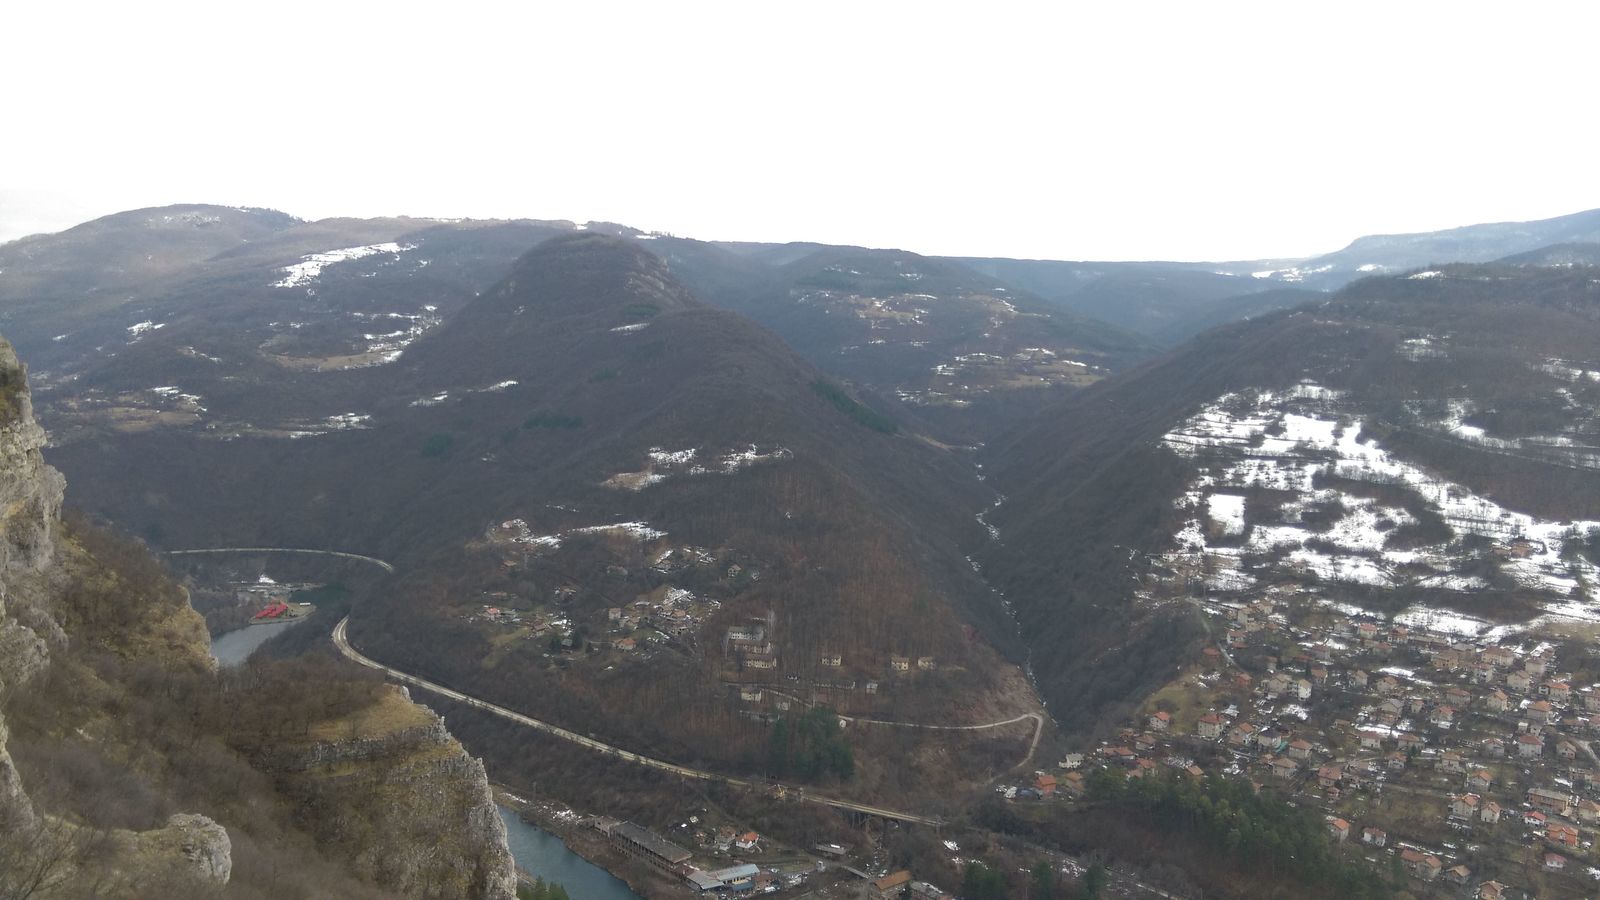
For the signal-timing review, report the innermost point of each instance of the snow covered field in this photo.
(1294, 441)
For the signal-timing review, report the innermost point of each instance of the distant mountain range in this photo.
(452, 391)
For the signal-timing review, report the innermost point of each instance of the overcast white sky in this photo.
(1137, 130)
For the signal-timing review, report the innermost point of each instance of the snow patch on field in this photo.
(517, 531)
(661, 464)
(310, 267)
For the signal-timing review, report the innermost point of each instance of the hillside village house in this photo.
(1160, 720)
(1529, 745)
(1377, 837)
(1209, 726)
(1497, 701)
(1464, 806)
(1549, 801)
(1338, 828)
(1490, 813)
(1424, 866)
(1480, 780)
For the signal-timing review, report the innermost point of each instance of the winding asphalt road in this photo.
(356, 556)
(342, 642)
(1033, 745)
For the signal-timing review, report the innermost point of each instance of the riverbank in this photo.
(234, 647)
(604, 874)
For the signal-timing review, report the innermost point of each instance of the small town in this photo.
(1464, 763)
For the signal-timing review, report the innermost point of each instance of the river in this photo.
(236, 646)
(543, 855)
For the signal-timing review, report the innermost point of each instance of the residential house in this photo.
(890, 885)
(1358, 678)
(1452, 762)
(1338, 829)
(1161, 720)
(926, 663)
(1242, 734)
(1073, 783)
(1371, 740)
(1388, 684)
(1396, 761)
(832, 660)
(1491, 890)
(1494, 748)
(1284, 767)
(1519, 682)
(1374, 836)
(1554, 862)
(1497, 701)
(1489, 812)
(1210, 726)
(1561, 835)
(1300, 749)
(1464, 806)
(1411, 742)
(1566, 749)
(1302, 687)
(1536, 666)
(1424, 866)
(1045, 784)
(1540, 711)
(1549, 801)
(747, 841)
(1529, 745)
(1457, 697)
(1458, 875)
(900, 663)
(1591, 699)
(1588, 811)
(1557, 691)
(1480, 780)
(1329, 775)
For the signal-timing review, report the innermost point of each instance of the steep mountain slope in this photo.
(588, 436)
(1387, 449)
(966, 350)
(130, 768)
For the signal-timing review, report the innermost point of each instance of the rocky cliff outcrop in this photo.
(403, 799)
(30, 505)
(381, 795)
(191, 851)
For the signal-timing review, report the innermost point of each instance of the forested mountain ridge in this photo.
(586, 436)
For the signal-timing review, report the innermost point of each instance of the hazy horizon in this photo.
(1176, 133)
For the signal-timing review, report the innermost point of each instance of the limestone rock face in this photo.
(201, 842)
(30, 491)
(416, 812)
(30, 506)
